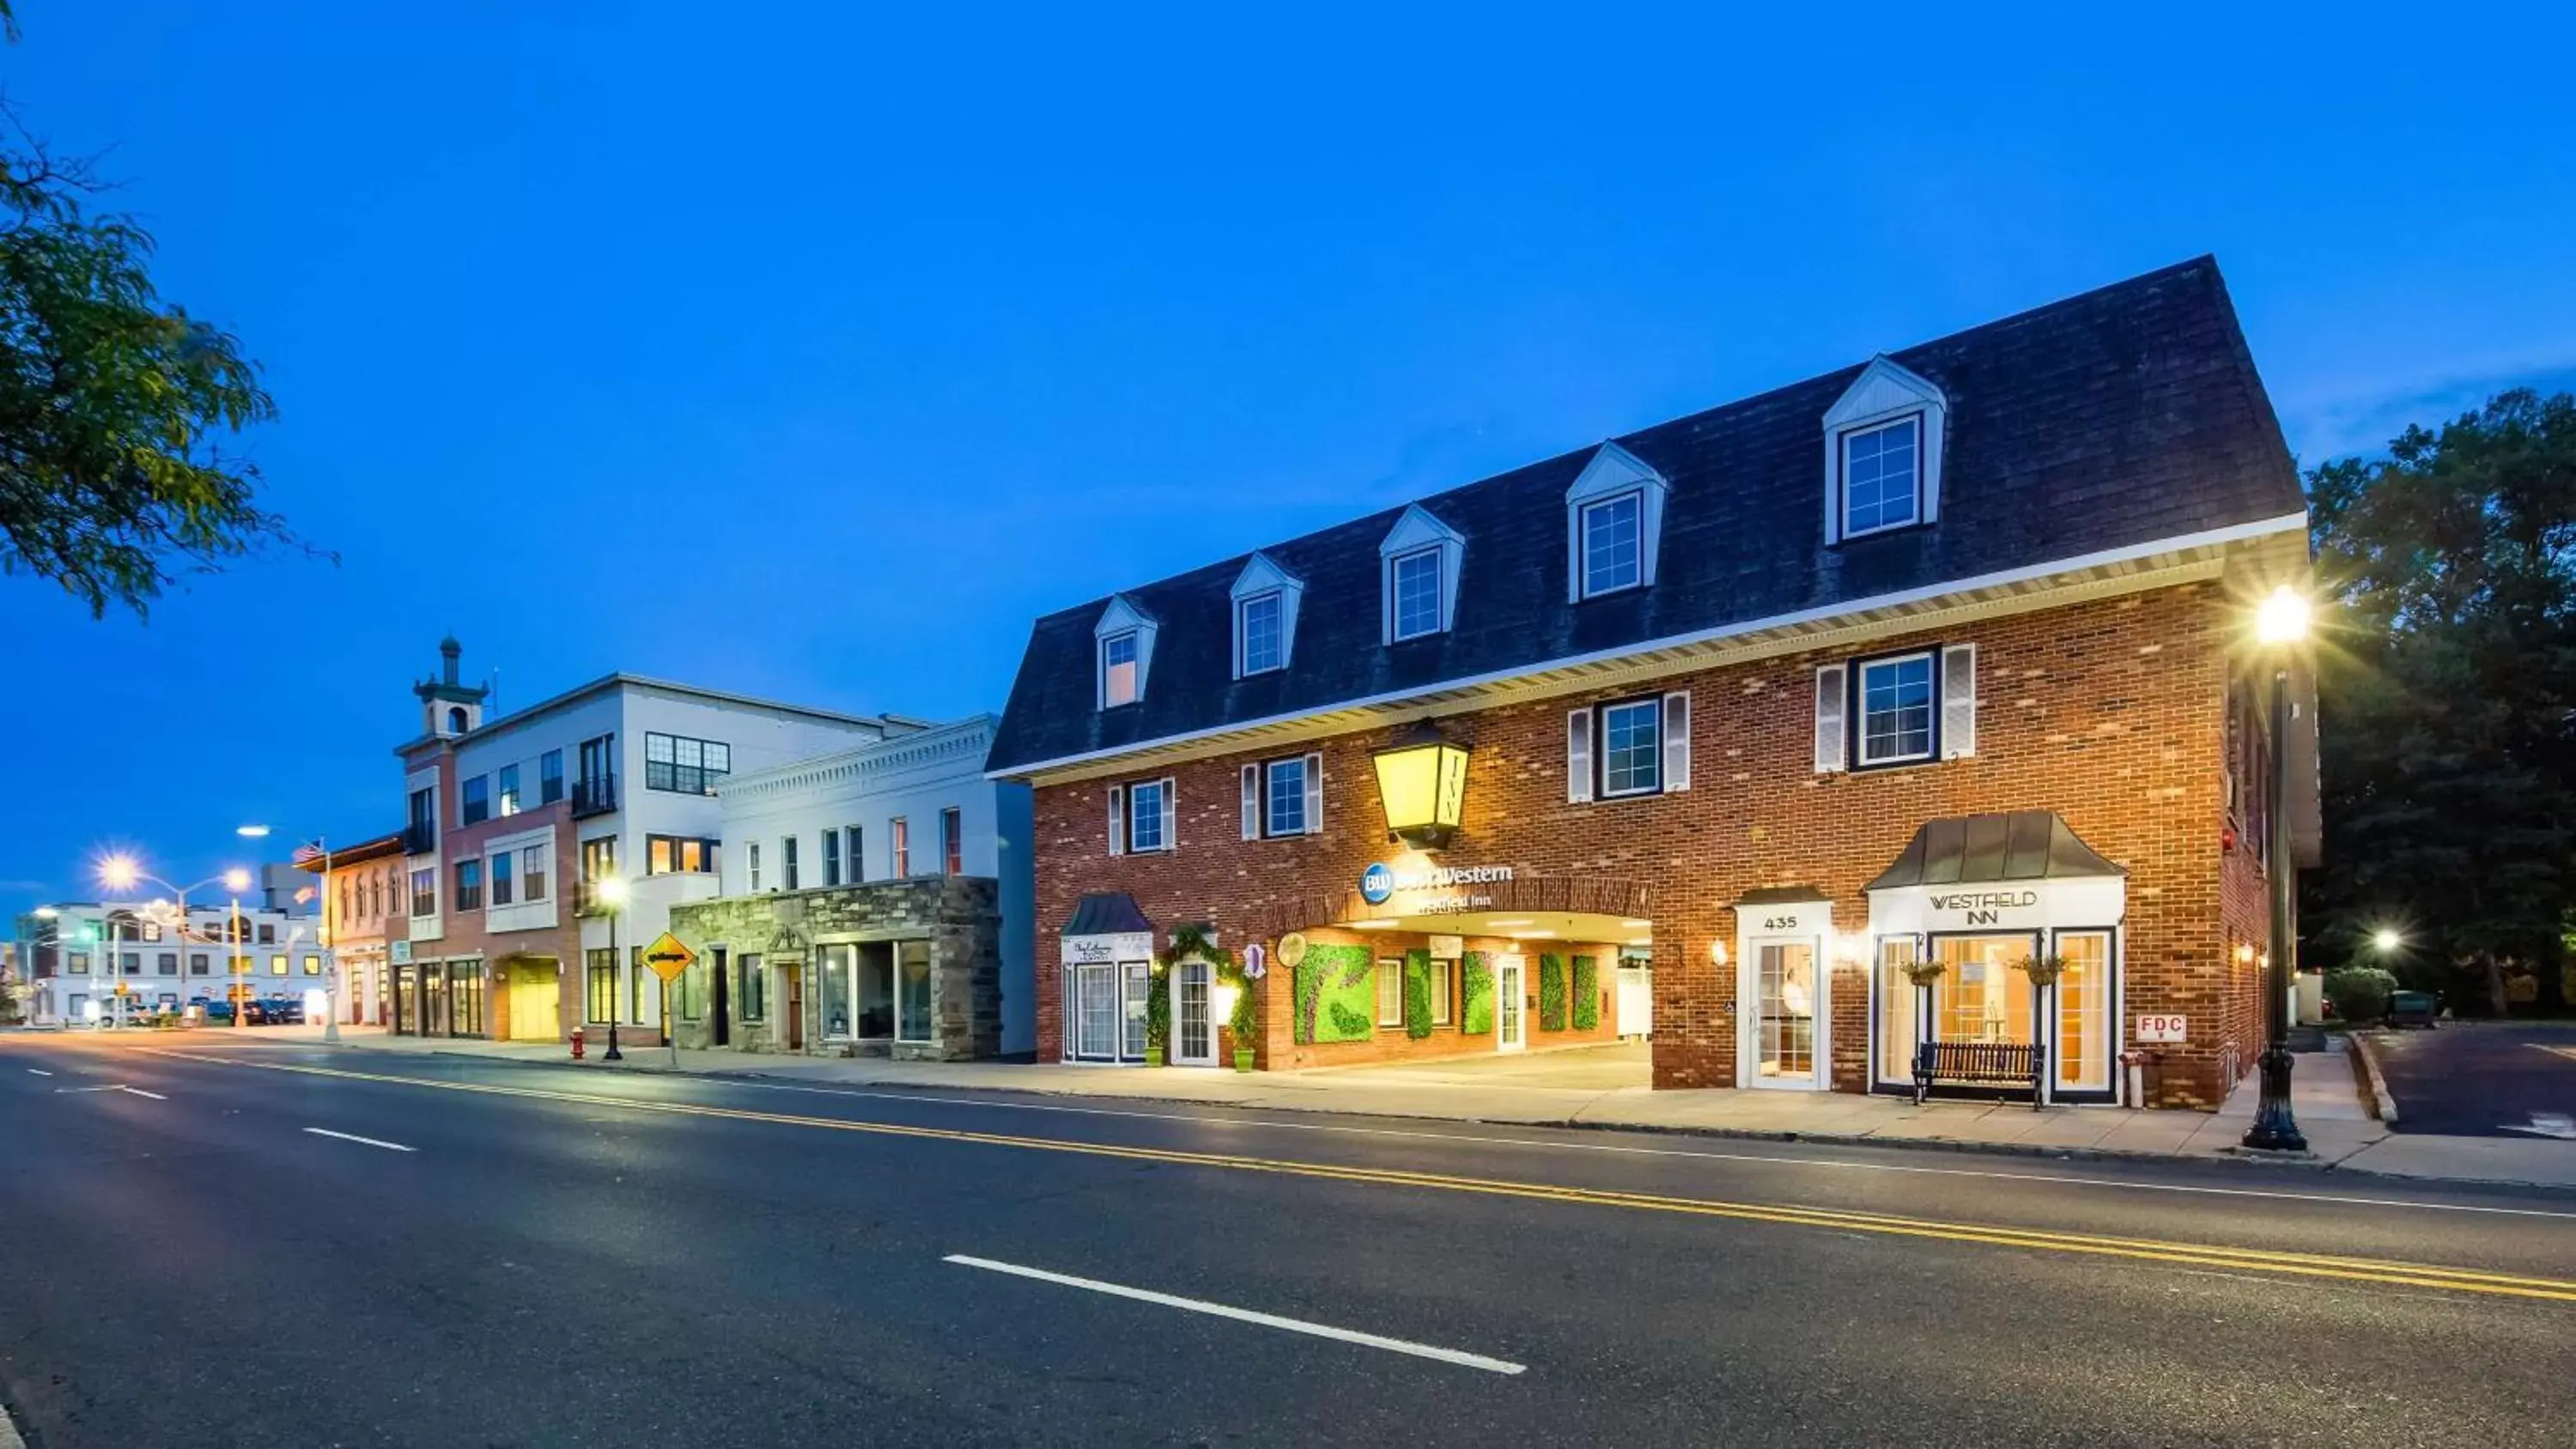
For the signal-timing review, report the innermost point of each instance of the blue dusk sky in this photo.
(811, 351)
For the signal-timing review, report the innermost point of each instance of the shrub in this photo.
(1417, 994)
(2359, 993)
(1349, 1025)
(1476, 994)
(1334, 991)
(1587, 993)
(1158, 1009)
(1551, 993)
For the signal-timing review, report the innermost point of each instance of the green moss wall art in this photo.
(1335, 995)
(1551, 993)
(1417, 993)
(1587, 994)
(1476, 993)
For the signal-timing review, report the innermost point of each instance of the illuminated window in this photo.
(277, 965)
(509, 803)
(1390, 993)
(312, 965)
(1118, 672)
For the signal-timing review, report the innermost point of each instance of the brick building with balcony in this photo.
(1726, 733)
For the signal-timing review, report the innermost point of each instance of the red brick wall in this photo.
(2110, 713)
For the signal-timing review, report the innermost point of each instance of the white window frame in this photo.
(1913, 421)
(1862, 759)
(1108, 670)
(1270, 827)
(1583, 514)
(1262, 578)
(1417, 532)
(1163, 815)
(1245, 664)
(1390, 966)
(1122, 619)
(1395, 567)
(1653, 705)
(1885, 392)
(1613, 475)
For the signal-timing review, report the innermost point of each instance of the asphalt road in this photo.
(576, 1256)
(2483, 1079)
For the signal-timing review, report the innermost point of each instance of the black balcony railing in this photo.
(594, 795)
(420, 840)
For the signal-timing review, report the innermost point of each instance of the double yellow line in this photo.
(2203, 1255)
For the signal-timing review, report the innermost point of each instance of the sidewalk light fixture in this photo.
(2280, 625)
(2385, 940)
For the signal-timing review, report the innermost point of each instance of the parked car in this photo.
(217, 1013)
(283, 1010)
(2413, 1008)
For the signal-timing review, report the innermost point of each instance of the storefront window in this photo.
(2084, 1011)
(465, 991)
(1896, 996)
(1390, 992)
(1981, 997)
(1139, 985)
(912, 990)
(601, 965)
(832, 982)
(876, 990)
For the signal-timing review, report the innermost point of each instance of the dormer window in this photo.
(1614, 523)
(1265, 616)
(1264, 643)
(1118, 670)
(1612, 536)
(1417, 593)
(1123, 642)
(1883, 453)
(1883, 476)
(1418, 564)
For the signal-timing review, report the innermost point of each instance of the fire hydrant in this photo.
(576, 1043)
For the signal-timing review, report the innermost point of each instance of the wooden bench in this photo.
(2016, 1064)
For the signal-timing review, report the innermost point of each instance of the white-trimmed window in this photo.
(1262, 620)
(1632, 748)
(1415, 578)
(1883, 452)
(1118, 671)
(1882, 476)
(1283, 797)
(1614, 522)
(1390, 992)
(1265, 616)
(1141, 816)
(1896, 710)
(1613, 544)
(1123, 645)
(1418, 563)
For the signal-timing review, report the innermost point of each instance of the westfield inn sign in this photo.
(1903, 708)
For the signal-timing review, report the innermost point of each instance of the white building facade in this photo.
(79, 952)
(905, 808)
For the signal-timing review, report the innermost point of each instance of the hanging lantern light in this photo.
(1422, 782)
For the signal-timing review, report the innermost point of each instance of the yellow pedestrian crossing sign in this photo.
(668, 957)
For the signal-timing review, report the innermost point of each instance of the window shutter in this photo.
(1959, 701)
(1314, 794)
(1578, 755)
(1677, 741)
(1117, 820)
(1252, 802)
(1832, 749)
(1171, 841)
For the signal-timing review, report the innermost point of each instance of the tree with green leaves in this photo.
(2447, 697)
(117, 408)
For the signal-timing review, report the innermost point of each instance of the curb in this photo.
(2381, 1102)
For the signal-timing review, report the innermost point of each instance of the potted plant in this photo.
(2043, 970)
(1924, 972)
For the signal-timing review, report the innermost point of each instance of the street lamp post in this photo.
(329, 939)
(612, 892)
(2280, 624)
(120, 873)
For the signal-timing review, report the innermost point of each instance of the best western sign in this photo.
(1431, 889)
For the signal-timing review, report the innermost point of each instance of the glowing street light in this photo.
(251, 832)
(612, 892)
(2281, 625)
(2386, 940)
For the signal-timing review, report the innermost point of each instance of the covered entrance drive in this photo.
(2001, 934)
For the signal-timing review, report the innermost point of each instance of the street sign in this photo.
(668, 957)
(2163, 1028)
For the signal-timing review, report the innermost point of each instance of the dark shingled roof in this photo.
(2114, 419)
(2024, 845)
(1109, 913)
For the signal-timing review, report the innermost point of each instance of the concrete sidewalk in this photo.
(2340, 1130)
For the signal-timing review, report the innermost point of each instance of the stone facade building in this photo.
(905, 968)
(1724, 732)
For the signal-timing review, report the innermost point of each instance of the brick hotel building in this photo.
(1716, 733)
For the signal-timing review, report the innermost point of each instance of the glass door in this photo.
(1782, 1019)
(1193, 1033)
(1136, 983)
(2082, 1049)
(1508, 1004)
(1096, 1014)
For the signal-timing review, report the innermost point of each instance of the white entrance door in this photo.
(1782, 996)
(1508, 1035)
(1636, 997)
(1096, 1017)
(1193, 1026)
